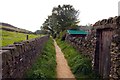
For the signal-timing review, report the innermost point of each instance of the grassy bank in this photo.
(45, 65)
(8, 37)
(79, 64)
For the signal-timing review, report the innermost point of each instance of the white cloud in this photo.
(30, 14)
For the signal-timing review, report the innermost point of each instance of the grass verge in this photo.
(80, 65)
(44, 67)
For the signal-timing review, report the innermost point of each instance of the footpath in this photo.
(63, 70)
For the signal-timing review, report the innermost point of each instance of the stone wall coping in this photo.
(106, 26)
(8, 48)
(111, 20)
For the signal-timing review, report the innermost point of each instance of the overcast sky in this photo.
(30, 14)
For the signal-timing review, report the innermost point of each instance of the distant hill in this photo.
(9, 27)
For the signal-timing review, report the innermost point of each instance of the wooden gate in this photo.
(102, 53)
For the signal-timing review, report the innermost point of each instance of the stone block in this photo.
(5, 69)
(12, 50)
(6, 76)
(6, 55)
(18, 47)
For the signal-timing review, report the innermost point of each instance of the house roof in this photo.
(76, 32)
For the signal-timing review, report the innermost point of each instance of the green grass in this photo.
(8, 37)
(45, 65)
(80, 65)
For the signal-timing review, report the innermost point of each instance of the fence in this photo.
(103, 47)
(17, 58)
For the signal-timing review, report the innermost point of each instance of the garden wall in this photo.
(17, 58)
(94, 44)
(85, 45)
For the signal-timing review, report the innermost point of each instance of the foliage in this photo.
(62, 18)
(45, 65)
(80, 65)
(8, 37)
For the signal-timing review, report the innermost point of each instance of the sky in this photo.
(31, 14)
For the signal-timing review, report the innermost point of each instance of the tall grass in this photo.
(80, 65)
(8, 37)
(45, 66)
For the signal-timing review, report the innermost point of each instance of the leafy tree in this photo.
(66, 16)
(62, 18)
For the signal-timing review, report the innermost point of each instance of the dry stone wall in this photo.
(87, 45)
(17, 58)
(113, 23)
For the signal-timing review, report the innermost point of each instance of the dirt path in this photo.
(63, 70)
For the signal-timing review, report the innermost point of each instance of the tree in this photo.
(62, 18)
(66, 16)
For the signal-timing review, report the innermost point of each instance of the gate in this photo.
(102, 53)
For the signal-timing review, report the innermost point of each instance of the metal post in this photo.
(27, 37)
